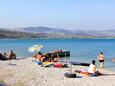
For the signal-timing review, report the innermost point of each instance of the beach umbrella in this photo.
(35, 48)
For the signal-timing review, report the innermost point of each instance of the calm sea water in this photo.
(82, 50)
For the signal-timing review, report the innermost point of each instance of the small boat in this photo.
(79, 63)
(59, 53)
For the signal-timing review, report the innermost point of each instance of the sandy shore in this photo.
(24, 72)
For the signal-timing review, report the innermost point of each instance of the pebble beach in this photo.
(25, 72)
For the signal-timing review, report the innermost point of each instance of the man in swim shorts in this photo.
(101, 59)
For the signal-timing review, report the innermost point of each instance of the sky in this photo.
(66, 14)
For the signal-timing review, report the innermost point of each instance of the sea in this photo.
(81, 50)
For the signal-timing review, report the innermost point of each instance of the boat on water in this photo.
(58, 53)
(80, 63)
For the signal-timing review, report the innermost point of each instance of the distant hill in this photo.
(15, 34)
(46, 32)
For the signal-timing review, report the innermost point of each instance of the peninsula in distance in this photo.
(46, 32)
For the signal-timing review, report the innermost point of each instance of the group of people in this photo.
(92, 67)
(6, 56)
(43, 57)
(91, 70)
(40, 58)
(44, 60)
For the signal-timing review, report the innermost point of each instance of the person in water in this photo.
(113, 59)
(101, 59)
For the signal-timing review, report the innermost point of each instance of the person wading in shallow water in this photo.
(101, 59)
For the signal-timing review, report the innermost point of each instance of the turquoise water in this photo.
(82, 50)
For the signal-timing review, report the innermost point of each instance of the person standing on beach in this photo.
(101, 59)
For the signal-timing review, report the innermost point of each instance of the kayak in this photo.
(80, 63)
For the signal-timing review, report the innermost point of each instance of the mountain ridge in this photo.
(47, 32)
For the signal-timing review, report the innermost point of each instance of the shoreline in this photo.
(24, 72)
(98, 38)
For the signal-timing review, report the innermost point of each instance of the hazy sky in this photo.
(67, 14)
